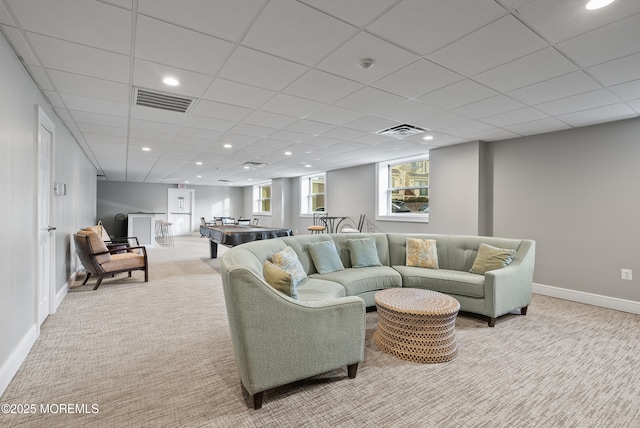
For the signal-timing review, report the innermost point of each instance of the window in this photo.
(312, 193)
(262, 199)
(403, 189)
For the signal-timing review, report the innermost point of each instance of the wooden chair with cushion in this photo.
(357, 229)
(100, 261)
(319, 225)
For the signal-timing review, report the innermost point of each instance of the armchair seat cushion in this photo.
(123, 261)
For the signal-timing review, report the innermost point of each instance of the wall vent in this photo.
(401, 131)
(160, 100)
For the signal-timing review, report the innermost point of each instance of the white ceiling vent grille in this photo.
(401, 131)
(254, 164)
(155, 99)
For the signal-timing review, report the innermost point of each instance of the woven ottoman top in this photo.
(417, 301)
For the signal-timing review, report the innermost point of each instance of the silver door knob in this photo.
(50, 228)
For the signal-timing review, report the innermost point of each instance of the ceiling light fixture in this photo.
(307, 166)
(171, 81)
(146, 149)
(288, 153)
(198, 163)
(227, 146)
(597, 4)
(428, 137)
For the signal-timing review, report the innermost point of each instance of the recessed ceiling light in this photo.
(428, 137)
(186, 181)
(246, 167)
(288, 153)
(249, 179)
(307, 166)
(198, 163)
(597, 4)
(199, 176)
(171, 81)
(227, 146)
(146, 149)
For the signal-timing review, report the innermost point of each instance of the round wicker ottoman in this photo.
(416, 325)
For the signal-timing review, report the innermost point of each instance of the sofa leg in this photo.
(352, 369)
(523, 311)
(257, 400)
(492, 322)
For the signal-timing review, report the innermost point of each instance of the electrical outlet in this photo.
(627, 274)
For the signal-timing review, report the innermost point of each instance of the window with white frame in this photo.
(262, 198)
(403, 189)
(312, 193)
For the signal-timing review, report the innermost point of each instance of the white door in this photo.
(46, 238)
(180, 209)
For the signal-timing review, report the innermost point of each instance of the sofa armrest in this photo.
(279, 340)
(510, 288)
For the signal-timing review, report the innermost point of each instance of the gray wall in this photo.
(576, 193)
(18, 255)
(116, 197)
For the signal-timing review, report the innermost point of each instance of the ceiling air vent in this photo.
(401, 131)
(254, 164)
(155, 99)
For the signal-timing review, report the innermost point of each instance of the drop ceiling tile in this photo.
(575, 103)
(89, 86)
(556, 88)
(309, 127)
(106, 140)
(83, 117)
(561, 20)
(111, 32)
(229, 22)
(515, 117)
(598, 115)
(369, 100)
(537, 67)
(208, 134)
(344, 134)
(499, 42)
(268, 119)
(291, 106)
(127, 4)
(273, 73)
(306, 39)
(95, 105)
(41, 78)
(209, 123)
(441, 120)
(424, 26)
(356, 12)
(236, 140)
(345, 61)
(147, 125)
(164, 43)
(627, 91)
(635, 104)
(252, 130)
(54, 100)
(220, 110)
(418, 78)
(149, 75)
(537, 126)
(288, 136)
(494, 134)
(407, 111)
(488, 107)
(372, 124)
(20, 44)
(228, 92)
(617, 71)
(150, 135)
(322, 87)
(458, 94)
(80, 59)
(90, 129)
(5, 17)
(334, 115)
(467, 129)
(595, 47)
(156, 115)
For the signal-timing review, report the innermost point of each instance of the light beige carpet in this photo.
(158, 354)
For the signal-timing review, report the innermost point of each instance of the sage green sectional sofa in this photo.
(278, 339)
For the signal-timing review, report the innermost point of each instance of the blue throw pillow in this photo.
(325, 257)
(363, 252)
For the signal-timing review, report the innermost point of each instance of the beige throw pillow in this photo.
(490, 258)
(422, 253)
(279, 279)
(287, 260)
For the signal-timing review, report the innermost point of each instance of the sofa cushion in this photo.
(356, 281)
(123, 261)
(442, 280)
(279, 279)
(325, 257)
(315, 289)
(287, 260)
(96, 245)
(422, 253)
(363, 252)
(490, 258)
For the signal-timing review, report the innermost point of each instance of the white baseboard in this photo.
(10, 368)
(60, 295)
(588, 298)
